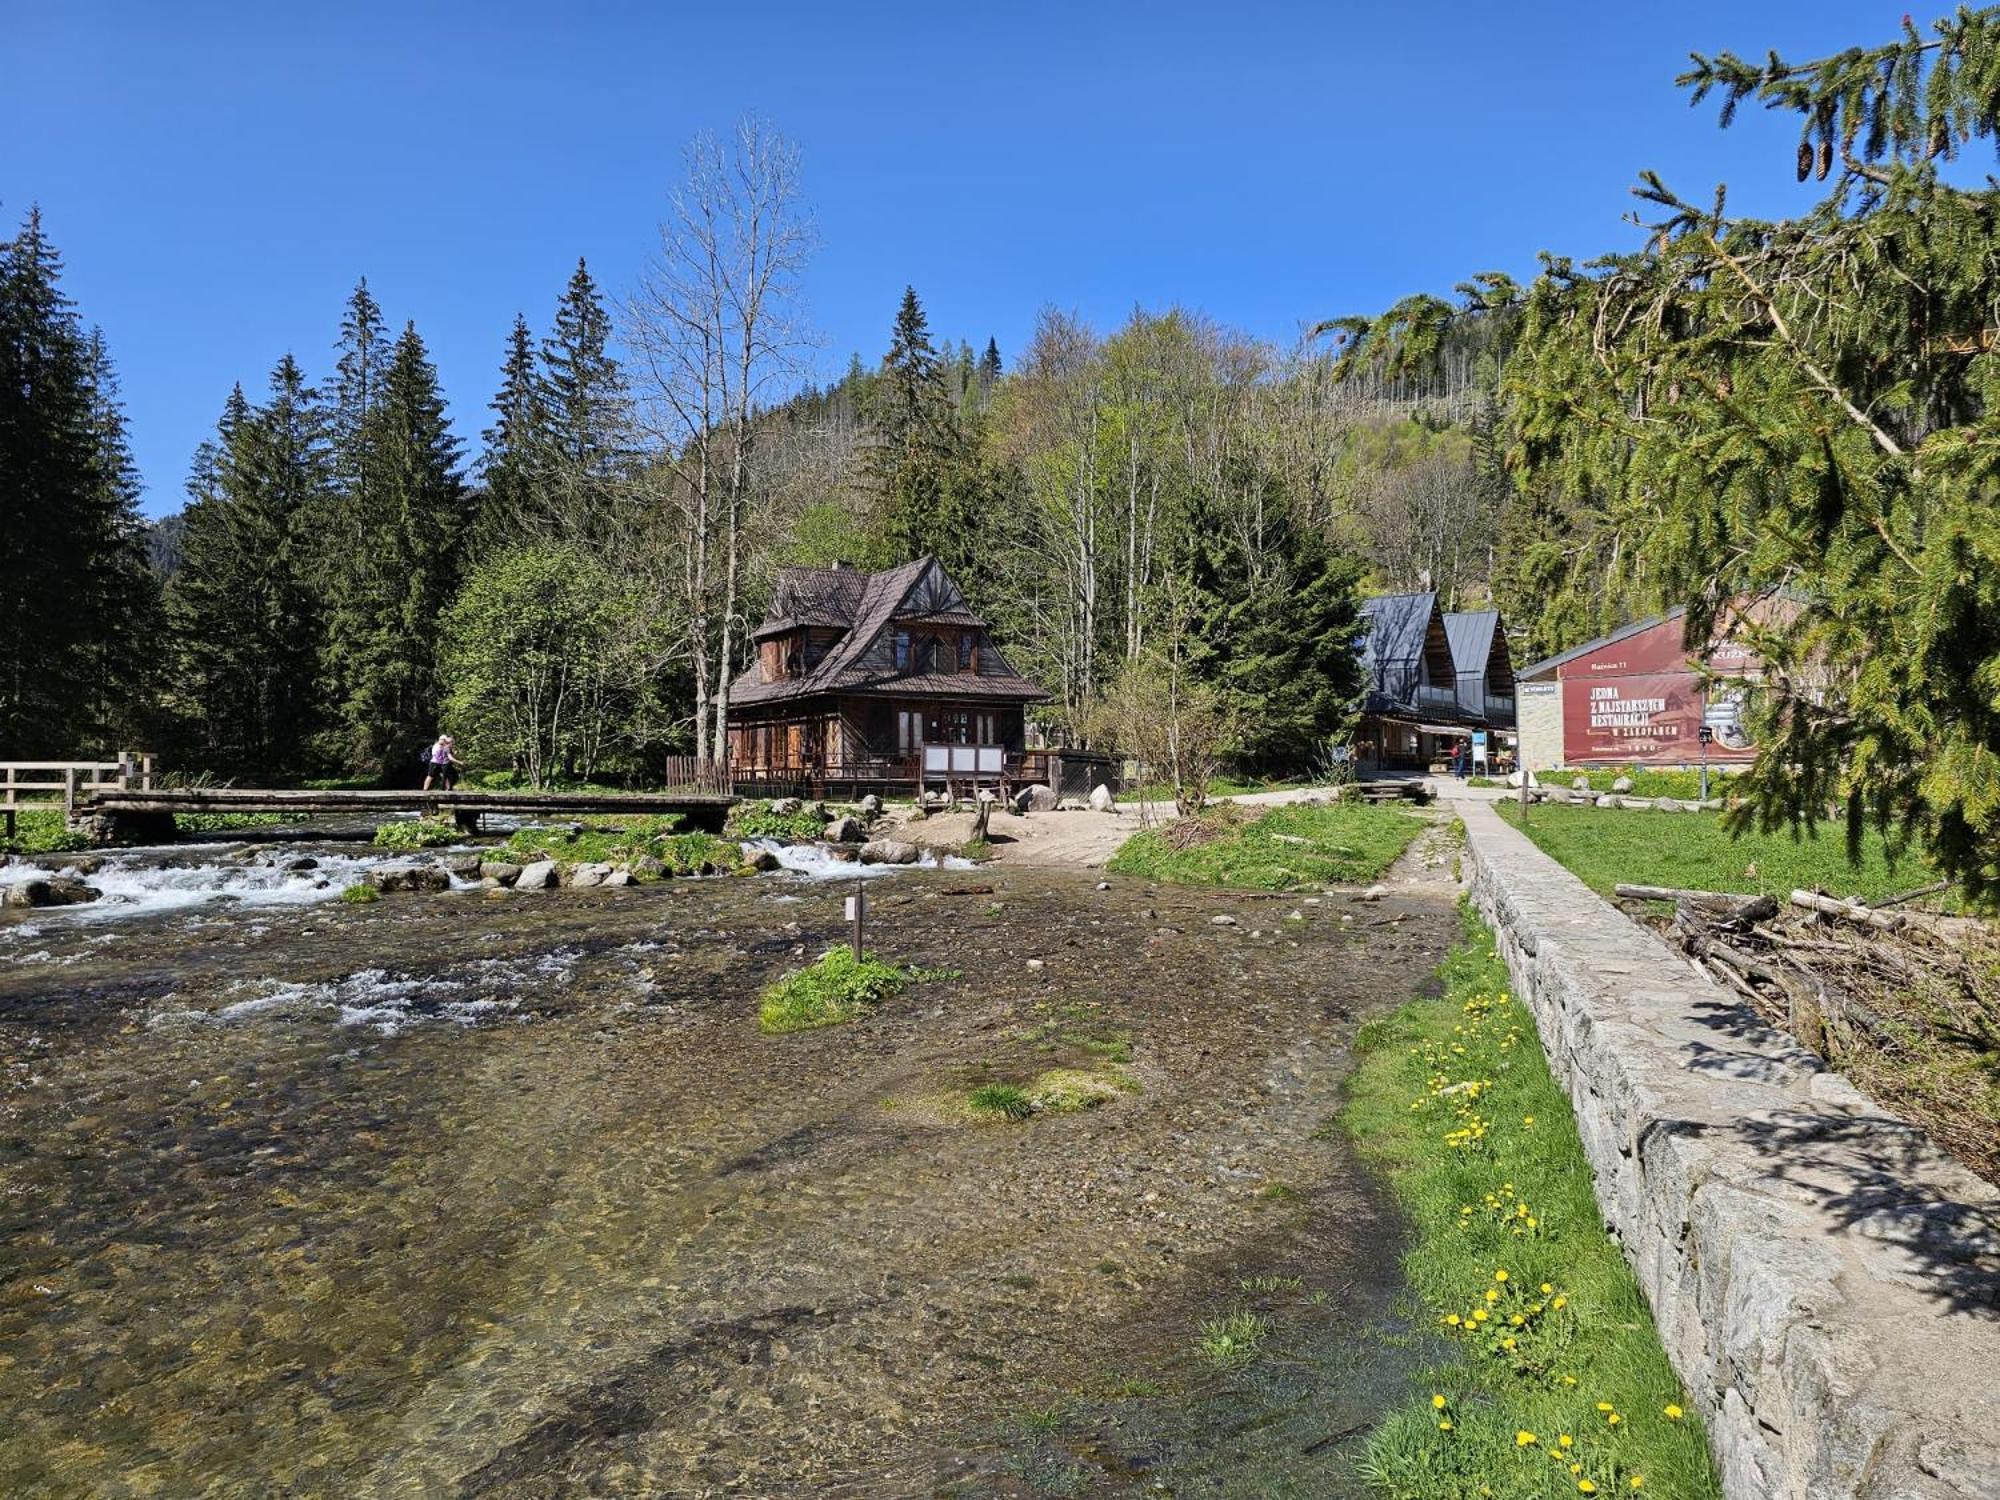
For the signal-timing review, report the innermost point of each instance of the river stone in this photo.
(1580, 784)
(538, 876)
(1101, 799)
(846, 831)
(888, 852)
(297, 866)
(501, 870)
(787, 807)
(761, 859)
(870, 805)
(583, 877)
(618, 878)
(51, 893)
(845, 854)
(1622, 784)
(464, 866)
(1039, 797)
(648, 867)
(409, 878)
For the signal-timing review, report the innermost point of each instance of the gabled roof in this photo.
(1396, 626)
(867, 604)
(1546, 667)
(1471, 635)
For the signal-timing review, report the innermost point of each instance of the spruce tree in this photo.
(74, 590)
(989, 367)
(243, 607)
(936, 491)
(587, 412)
(516, 446)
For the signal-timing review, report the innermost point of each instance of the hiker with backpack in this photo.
(441, 765)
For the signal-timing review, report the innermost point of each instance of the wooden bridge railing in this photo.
(33, 783)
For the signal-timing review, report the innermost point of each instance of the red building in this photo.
(1636, 697)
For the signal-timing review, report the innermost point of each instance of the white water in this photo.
(815, 862)
(382, 1000)
(135, 882)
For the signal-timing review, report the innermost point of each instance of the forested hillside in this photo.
(1169, 506)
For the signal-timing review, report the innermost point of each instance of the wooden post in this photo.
(69, 793)
(145, 773)
(1521, 765)
(857, 912)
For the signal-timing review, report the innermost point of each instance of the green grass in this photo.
(416, 833)
(1603, 846)
(756, 820)
(1222, 786)
(1453, 1098)
(360, 895)
(1277, 850)
(1232, 1341)
(1005, 1100)
(833, 989)
(633, 839)
(43, 830)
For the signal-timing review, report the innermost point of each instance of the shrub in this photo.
(360, 894)
(758, 820)
(836, 988)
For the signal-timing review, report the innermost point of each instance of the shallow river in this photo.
(456, 1196)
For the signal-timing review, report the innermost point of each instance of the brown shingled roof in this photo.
(866, 604)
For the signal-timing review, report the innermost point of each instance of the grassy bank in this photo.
(1275, 850)
(1222, 786)
(1554, 1382)
(1603, 846)
(44, 830)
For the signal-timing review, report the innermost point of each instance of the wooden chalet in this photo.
(883, 682)
(1431, 679)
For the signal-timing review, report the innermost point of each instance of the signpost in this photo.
(857, 913)
(1707, 737)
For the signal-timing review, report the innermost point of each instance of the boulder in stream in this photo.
(409, 878)
(501, 871)
(538, 876)
(761, 859)
(888, 852)
(846, 831)
(58, 892)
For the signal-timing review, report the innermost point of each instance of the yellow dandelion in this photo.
(1492, 1295)
(1499, 1275)
(1674, 1413)
(1560, 1302)
(1614, 1419)
(1524, 1439)
(1566, 1440)
(1438, 1402)
(1451, 1319)
(1445, 1425)
(1638, 1481)
(1546, 1289)
(1586, 1487)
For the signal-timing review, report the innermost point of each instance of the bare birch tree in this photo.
(716, 326)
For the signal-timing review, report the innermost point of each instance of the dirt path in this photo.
(1061, 840)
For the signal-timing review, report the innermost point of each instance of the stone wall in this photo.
(1826, 1284)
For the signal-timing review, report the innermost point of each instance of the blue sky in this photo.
(217, 177)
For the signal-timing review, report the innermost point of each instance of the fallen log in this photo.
(1676, 893)
(1828, 906)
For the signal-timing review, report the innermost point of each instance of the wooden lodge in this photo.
(884, 682)
(1432, 679)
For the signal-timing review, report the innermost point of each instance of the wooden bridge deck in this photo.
(466, 807)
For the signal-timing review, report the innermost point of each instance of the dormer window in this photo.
(968, 651)
(902, 651)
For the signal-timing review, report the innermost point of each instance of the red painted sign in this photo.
(1641, 718)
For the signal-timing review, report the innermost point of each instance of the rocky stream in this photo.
(464, 1193)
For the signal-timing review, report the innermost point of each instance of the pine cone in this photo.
(1805, 160)
(1825, 164)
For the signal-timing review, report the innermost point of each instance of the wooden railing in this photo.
(35, 783)
(690, 773)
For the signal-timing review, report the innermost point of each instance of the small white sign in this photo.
(852, 901)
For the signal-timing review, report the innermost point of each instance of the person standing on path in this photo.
(441, 765)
